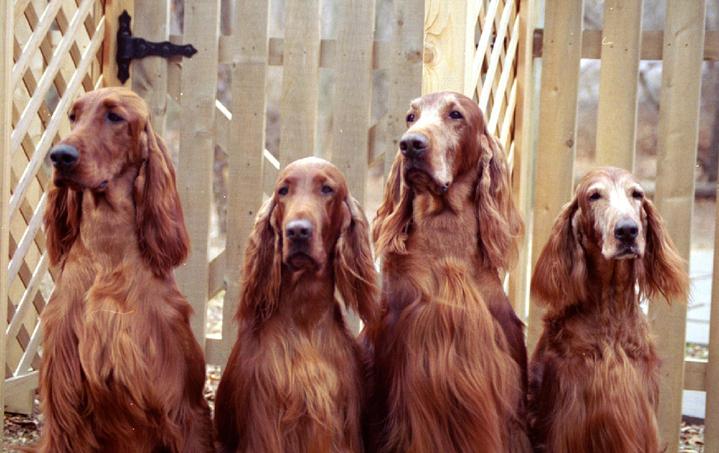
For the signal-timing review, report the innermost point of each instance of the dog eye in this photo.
(283, 191)
(455, 115)
(327, 189)
(595, 196)
(114, 117)
(410, 118)
(71, 117)
(637, 195)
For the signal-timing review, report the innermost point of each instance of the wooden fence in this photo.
(487, 49)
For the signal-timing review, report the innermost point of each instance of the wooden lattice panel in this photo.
(56, 57)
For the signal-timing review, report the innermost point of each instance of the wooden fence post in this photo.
(562, 49)
(711, 428)
(449, 27)
(617, 113)
(523, 152)
(149, 75)
(197, 150)
(113, 9)
(7, 29)
(405, 71)
(300, 80)
(676, 158)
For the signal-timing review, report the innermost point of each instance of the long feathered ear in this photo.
(164, 242)
(663, 271)
(500, 225)
(355, 273)
(62, 222)
(389, 228)
(261, 274)
(560, 273)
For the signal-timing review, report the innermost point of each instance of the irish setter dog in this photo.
(449, 357)
(294, 379)
(121, 369)
(594, 373)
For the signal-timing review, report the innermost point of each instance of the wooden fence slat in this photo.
(247, 143)
(353, 88)
(194, 175)
(448, 44)
(6, 63)
(149, 75)
(28, 297)
(508, 70)
(676, 158)
(557, 128)
(300, 80)
(405, 71)
(711, 428)
(483, 44)
(617, 113)
(113, 9)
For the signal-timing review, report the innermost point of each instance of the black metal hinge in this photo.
(130, 48)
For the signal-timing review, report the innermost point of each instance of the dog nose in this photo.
(299, 230)
(413, 145)
(626, 230)
(64, 157)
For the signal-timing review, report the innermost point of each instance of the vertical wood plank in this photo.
(711, 428)
(562, 48)
(194, 176)
(449, 27)
(6, 63)
(617, 114)
(300, 80)
(245, 153)
(149, 75)
(353, 88)
(524, 147)
(113, 9)
(405, 71)
(676, 158)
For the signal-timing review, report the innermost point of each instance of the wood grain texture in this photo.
(194, 175)
(557, 128)
(149, 75)
(245, 152)
(618, 85)
(674, 198)
(300, 80)
(405, 71)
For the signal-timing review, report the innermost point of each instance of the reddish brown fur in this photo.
(594, 373)
(121, 369)
(293, 382)
(450, 363)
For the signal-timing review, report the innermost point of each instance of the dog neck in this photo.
(306, 297)
(612, 285)
(108, 228)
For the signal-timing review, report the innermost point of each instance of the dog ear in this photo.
(163, 238)
(355, 273)
(62, 217)
(389, 228)
(500, 225)
(663, 271)
(261, 274)
(560, 274)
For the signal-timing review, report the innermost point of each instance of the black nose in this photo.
(299, 230)
(64, 157)
(626, 230)
(413, 145)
